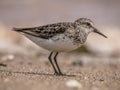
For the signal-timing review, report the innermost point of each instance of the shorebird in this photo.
(60, 37)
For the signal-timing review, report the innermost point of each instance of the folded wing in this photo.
(45, 32)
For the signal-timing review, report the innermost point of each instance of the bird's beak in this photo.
(98, 32)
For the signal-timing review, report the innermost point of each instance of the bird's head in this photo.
(87, 26)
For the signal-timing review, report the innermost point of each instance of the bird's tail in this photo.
(21, 29)
(17, 29)
(28, 31)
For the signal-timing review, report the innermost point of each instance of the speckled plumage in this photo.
(60, 37)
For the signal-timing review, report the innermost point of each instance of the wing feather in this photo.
(46, 31)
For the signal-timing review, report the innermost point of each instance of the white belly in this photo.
(56, 43)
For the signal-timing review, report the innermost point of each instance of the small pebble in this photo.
(8, 57)
(85, 78)
(73, 84)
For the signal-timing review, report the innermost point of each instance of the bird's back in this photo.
(46, 31)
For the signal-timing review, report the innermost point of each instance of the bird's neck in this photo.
(83, 36)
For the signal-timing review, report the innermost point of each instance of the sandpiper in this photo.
(60, 37)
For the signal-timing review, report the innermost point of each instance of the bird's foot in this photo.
(59, 74)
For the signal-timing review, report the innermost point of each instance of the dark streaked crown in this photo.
(84, 21)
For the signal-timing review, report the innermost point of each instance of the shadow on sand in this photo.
(33, 73)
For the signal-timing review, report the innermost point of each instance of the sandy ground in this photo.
(25, 73)
(25, 67)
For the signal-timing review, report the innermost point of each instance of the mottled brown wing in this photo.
(46, 31)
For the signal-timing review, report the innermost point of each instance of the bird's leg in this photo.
(55, 59)
(50, 59)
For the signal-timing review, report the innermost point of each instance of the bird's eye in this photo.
(88, 24)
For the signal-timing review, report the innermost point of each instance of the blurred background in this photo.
(30, 13)
(18, 55)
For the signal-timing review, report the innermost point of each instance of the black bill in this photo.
(98, 32)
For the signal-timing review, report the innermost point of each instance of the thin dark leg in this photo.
(55, 58)
(50, 59)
